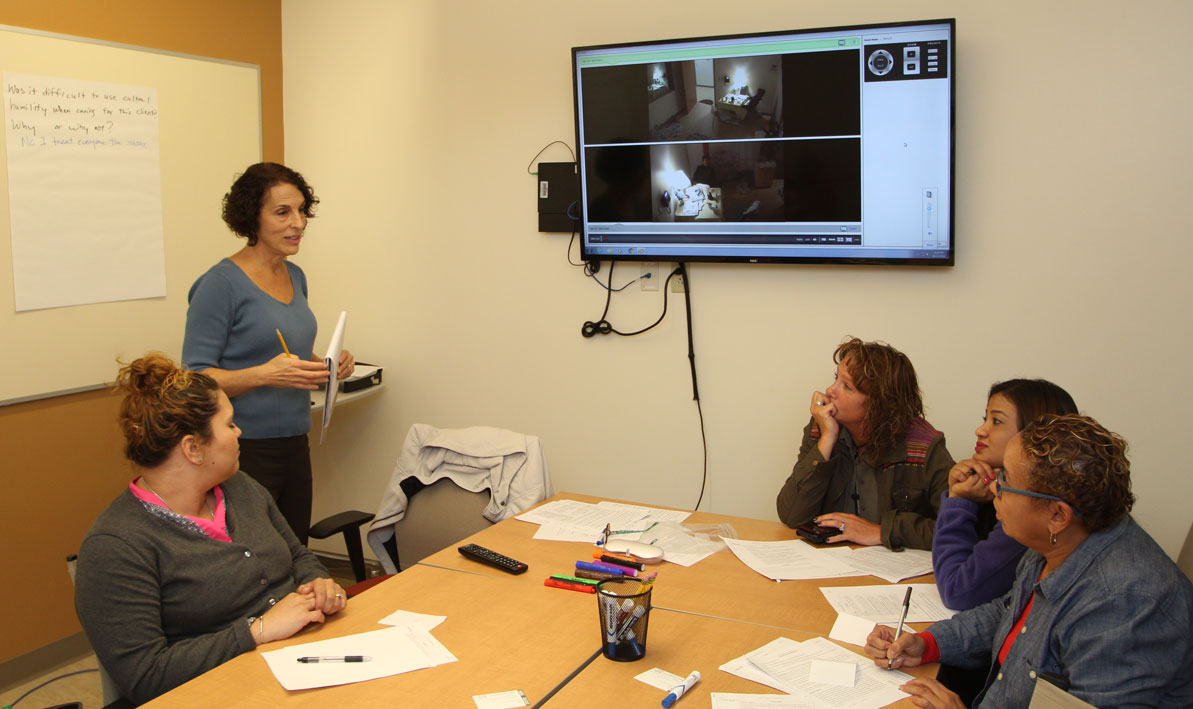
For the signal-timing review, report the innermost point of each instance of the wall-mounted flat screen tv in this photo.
(829, 145)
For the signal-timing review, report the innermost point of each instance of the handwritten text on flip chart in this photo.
(84, 182)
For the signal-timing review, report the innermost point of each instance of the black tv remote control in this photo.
(492, 558)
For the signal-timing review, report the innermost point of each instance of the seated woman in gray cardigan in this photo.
(192, 565)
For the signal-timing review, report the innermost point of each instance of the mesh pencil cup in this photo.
(624, 608)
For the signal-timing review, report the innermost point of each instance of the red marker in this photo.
(569, 585)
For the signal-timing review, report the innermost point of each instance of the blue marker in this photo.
(678, 691)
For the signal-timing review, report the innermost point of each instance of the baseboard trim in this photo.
(22, 668)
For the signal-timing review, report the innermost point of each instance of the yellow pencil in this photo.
(283, 341)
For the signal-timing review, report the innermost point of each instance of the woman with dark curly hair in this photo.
(191, 565)
(1096, 608)
(869, 464)
(238, 308)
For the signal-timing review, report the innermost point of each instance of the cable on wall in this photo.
(536, 155)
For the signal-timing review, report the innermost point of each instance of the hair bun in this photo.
(146, 374)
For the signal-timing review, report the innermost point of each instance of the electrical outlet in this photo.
(651, 283)
(677, 284)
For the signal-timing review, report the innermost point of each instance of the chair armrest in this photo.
(352, 519)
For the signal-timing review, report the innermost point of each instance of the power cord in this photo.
(52, 679)
(536, 155)
(604, 327)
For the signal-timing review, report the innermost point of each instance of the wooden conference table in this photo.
(511, 632)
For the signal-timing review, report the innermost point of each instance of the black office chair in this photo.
(346, 523)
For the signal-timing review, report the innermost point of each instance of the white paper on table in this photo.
(841, 554)
(884, 604)
(332, 362)
(893, 566)
(586, 519)
(660, 679)
(571, 520)
(679, 547)
(418, 621)
(851, 629)
(554, 532)
(789, 663)
(646, 515)
(729, 700)
(787, 560)
(841, 674)
(501, 700)
(392, 651)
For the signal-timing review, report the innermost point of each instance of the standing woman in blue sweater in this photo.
(238, 308)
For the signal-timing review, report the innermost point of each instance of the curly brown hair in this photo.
(242, 204)
(163, 404)
(886, 377)
(1074, 458)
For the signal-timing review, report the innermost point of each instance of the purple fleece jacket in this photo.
(971, 571)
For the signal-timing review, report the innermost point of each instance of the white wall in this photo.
(415, 122)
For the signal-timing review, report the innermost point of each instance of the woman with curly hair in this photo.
(1097, 608)
(237, 310)
(192, 565)
(869, 464)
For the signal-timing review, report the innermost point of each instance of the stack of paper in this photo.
(820, 674)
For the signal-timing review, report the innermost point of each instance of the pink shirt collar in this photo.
(217, 530)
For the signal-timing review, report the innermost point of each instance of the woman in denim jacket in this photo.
(1097, 607)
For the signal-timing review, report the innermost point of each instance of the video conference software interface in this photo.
(824, 144)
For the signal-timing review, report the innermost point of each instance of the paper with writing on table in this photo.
(788, 560)
(332, 362)
(893, 566)
(391, 651)
(884, 604)
(732, 700)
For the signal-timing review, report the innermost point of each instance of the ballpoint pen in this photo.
(890, 661)
(338, 658)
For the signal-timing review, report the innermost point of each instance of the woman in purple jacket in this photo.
(972, 556)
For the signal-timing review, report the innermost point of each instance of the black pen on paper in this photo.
(337, 658)
(890, 661)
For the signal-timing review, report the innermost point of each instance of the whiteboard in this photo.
(209, 131)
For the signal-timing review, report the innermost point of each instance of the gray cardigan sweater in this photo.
(161, 602)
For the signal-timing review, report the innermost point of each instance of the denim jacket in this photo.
(1115, 619)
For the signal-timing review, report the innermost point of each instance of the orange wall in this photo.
(60, 458)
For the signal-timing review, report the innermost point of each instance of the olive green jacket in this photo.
(910, 481)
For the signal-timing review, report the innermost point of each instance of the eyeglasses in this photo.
(1001, 486)
(609, 532)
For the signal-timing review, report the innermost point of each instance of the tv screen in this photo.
(826, 145)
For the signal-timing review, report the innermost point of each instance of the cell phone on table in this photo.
(817, 533)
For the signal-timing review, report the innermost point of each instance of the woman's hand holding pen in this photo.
(290, 372)
(907, 651)
(970, 479)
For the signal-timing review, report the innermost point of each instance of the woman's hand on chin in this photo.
(970, 480)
